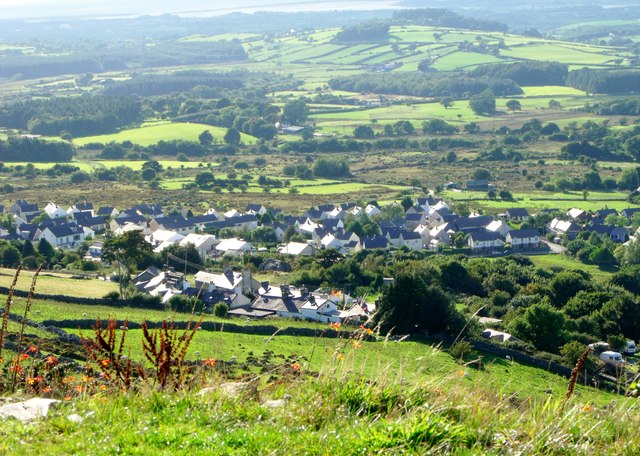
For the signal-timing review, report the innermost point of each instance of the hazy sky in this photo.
(10, 9)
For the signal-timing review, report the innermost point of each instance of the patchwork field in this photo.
(151, 134)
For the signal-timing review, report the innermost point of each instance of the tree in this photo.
(446, 102)
(542, 325)
(554, 104)
(295, 111)
(406, 203)
(232, 136)
(148, 174)
(205, 138)
(484, 103)
(126, 250)
(410, 306)
(505, 195)
(482, 174)
(631, 253)
(363, 132)
(491, 194)
(514, 105)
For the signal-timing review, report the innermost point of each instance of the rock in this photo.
(75, 418)
(27, 410)
(275, 403)
(233, 389)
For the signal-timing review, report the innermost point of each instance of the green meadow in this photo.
(151, 134)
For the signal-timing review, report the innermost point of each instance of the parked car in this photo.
(629, 348)
(599, 347)
(611, 358)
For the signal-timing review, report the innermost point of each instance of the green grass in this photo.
(566, 262)
(543, 200)
(56, 283)
(148, 135)
(136, 165)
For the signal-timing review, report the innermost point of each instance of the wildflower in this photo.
(32, 349)
(50, 361)
(587, 408)
(338, 356)
(48, 389)
(460, 373)
(105, 362)
(296, 366)
(79, 388)
(356, 344)
(68, 398)
(335, 325)
(16, 368)
(103, 387)
(85, 378)
(31, 381)
(209, 362)
(23, 357)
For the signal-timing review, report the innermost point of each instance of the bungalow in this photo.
(255, 209)
(376, 242)
(329, 241)
(119, 222)
(85, 219)
(498, 226)
(24, 209)
(414, 220)
(322, 309)
(67, 236)
(576, 214)
(297, 249)
(173, 223)
(54, 211)
(241, 283)
(518, 214)
(630, 212)
(603, 213)
(107, 212)
(478, 184)
(161, 239)
(471, 224)
(233, 246)
(81, 207)
(485, 242)
(205, 244)
(149, 210)
(411, 240)
(563, 228)
(523, 239)
(371, 210)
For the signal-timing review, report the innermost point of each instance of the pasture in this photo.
(153, 133)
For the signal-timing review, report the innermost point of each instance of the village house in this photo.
(233, 246)
(523, 239)
(518, 214)
(67, 236)
(485, 242)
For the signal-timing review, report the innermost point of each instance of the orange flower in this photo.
(335, 325)
(31, 381)
(16, 368)
(105, 362)
(23, 357)
(79, 388)
(32, 349)
(48, 389)
(211, 362)
(356, 344)
(103, 387)
(68, 398)
(296, 366)
(50, 361)
(85, 378)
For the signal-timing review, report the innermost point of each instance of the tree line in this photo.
(529, 73)
(440, 17)
(35, 150)
(604, 81)
(116, 58)
(80, 116)
(425, 85)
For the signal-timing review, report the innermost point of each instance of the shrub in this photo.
(220, 310)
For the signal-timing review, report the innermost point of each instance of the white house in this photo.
(498, 226)
(485, 241)
(205, 244)
(523, 239)
(320, 309)
(371, 210)
(68, 236)
(54, 211)
(411, 240)
(233, 246)
(297, 249)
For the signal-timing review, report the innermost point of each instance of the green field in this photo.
(148, 135)
(54, 283)
(566, 262)
(136, 165)
(542, 200)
